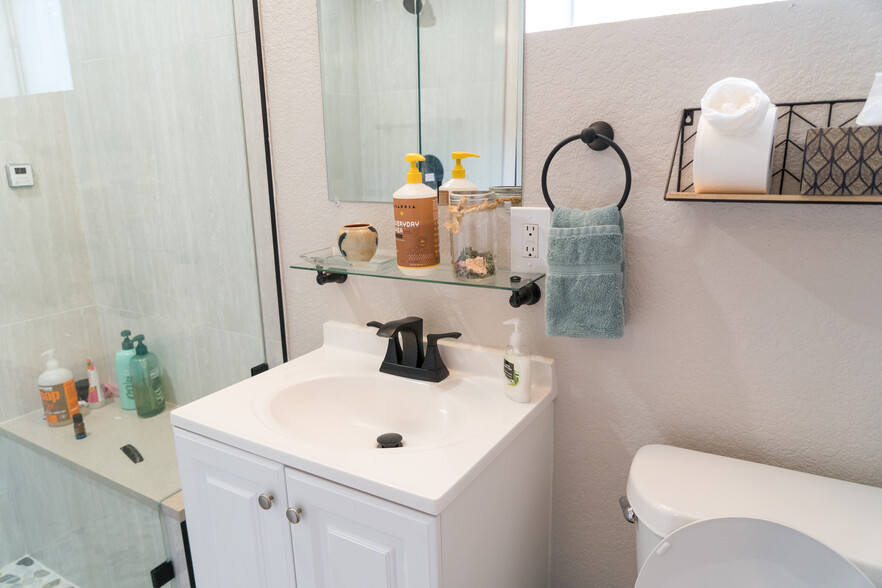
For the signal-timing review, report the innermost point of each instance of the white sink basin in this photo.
(350, 412)
(322, 412)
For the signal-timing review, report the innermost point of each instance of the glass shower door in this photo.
(138, 122)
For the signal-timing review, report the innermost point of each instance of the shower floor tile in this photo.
(26, 571)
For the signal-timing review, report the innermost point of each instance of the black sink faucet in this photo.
(406, 357)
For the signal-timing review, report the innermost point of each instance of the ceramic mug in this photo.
(357, 242)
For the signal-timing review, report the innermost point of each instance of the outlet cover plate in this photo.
(520, 216)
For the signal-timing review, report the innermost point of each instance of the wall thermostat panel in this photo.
(19, 175)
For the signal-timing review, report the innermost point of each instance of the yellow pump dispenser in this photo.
(458, 181)
(458, 169)
(416, 223)
(414, 176)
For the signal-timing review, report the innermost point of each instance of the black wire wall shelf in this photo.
(794, 120)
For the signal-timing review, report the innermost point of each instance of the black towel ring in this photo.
(598, 137)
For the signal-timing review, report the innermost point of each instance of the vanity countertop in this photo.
(425, 476)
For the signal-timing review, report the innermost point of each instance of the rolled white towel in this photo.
(735, 139)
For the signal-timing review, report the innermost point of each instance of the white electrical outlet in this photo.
(530, 236)
(529, 232)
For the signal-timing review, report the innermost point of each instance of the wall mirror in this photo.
(427, 76)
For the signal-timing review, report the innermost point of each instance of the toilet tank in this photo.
(669, 487)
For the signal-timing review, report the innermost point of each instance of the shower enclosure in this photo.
(149, 211)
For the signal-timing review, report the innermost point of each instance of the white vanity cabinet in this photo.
(349, 538)
(250, 519)
(284, 485)
(234, 540)
(327, 535)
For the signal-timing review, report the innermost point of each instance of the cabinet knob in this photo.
(293, 515)
(265, 501)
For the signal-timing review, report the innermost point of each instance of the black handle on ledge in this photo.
(528, 295)
(323, 278)
(598, 137)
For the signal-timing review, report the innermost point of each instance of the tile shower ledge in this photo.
(99, 456)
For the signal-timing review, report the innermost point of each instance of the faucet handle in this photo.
(433, 362)
(393, 349)
(433, 339)
(410, 330)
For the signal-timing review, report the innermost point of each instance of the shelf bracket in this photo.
(528, 295)
(323, 278)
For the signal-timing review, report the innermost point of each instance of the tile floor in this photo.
(26, 571)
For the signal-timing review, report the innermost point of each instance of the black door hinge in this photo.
(162, 574)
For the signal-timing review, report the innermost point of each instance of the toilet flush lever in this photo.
(627, 511)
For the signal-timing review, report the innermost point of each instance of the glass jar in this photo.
(508, 196)
(472, 227)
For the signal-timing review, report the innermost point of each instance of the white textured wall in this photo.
(754, 330)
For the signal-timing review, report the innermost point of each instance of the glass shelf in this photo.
(443, 274)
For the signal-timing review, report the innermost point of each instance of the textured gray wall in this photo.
(753, 329)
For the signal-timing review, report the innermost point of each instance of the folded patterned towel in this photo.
(586, 274)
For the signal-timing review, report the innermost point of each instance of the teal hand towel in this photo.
(586, 274)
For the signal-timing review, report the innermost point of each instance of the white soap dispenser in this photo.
(516, 366)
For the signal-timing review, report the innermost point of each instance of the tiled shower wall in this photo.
(89, 533)
(140, 219)
(141, 216)
(47, 297)
(158, 147)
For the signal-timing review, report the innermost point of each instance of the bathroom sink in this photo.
(322, 412)
(350, 412)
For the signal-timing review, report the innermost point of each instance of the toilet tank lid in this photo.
(669, 487)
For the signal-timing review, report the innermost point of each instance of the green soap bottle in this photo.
(146, 380)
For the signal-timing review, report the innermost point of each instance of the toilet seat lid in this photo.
(744, 552)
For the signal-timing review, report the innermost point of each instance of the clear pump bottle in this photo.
(516, 366)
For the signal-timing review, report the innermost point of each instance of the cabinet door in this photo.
(234, 541)
(348, 539)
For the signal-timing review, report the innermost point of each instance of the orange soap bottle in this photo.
(416, 223)
(59, 394)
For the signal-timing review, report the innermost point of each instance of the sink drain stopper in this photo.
(388, 440)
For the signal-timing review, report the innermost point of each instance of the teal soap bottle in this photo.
(146, 380)
(123, 375)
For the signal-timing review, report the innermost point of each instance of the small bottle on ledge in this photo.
(79, 426)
